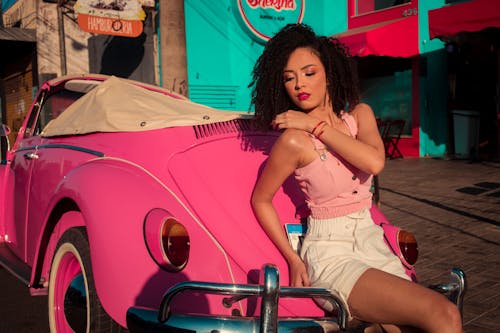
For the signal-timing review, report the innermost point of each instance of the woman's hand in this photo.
(298, 273)
(295, 119)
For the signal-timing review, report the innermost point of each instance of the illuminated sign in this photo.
(263, 18)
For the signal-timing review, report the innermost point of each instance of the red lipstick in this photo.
(303, 96)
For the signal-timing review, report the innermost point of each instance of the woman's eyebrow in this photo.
(302, 68)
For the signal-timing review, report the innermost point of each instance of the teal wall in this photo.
(433, 87)
(433, 104)
(221, 52)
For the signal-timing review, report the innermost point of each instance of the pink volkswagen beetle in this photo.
(129, 206)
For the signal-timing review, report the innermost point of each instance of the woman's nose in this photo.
(298, 84)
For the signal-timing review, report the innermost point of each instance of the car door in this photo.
(37, 169)
(23, 159)
(55, 157)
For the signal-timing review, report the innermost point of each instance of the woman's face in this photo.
(305, 79)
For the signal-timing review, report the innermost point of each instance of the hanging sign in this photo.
(111, 17)
(264, 18)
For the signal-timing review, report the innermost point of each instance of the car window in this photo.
(53, 106)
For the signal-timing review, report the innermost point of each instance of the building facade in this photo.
(207, 49)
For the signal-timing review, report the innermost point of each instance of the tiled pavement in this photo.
(453, 208)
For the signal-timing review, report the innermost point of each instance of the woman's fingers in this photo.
(299, 276)
(305, 279)
(293, 119)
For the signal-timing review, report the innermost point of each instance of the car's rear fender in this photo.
(6, 197)
(113, 198)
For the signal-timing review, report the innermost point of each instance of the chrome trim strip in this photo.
(63, 146)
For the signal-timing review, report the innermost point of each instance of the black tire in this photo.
(73, 303)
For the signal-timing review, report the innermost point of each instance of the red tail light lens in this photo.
(408, 246)
(175, 243)
(167, 240)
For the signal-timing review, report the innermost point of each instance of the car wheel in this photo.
(73, 302)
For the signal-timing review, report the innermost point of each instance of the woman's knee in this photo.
(446, 315)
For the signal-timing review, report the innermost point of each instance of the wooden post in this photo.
(173, 46)
(62, 36)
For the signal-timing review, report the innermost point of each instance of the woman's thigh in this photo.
(380, 297)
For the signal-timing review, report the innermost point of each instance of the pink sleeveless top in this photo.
(331, 185)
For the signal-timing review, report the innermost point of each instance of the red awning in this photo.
(395, 38)
(470, 16)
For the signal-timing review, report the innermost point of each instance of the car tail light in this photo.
(175, 243)
(167, 240)
(408, 246)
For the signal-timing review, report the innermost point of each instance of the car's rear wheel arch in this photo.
(71, 271)
(57, 216)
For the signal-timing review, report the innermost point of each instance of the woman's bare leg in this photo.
(379, 297)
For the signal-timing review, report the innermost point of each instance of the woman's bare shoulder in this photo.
(293, 140)
(362, 112)
(362, 109)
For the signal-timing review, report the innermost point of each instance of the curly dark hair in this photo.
(268, 92)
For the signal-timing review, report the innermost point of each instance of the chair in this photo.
(392, 138)
(390, 131)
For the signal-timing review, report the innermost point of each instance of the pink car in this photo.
(129, 206)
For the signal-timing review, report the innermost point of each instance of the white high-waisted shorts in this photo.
(338, 251)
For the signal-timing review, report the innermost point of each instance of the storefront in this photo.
(384, 36)
(407, 74)
(400, 67)
(471, 33)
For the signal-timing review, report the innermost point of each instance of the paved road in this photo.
(19, 312)
(452, 206)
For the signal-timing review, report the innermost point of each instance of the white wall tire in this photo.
(73, 304)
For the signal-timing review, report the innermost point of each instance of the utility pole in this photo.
(173, 46)
(62, 42)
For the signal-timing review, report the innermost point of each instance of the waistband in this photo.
(327, 212)
(320, 228)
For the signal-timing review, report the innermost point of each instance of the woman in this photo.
(304, 85)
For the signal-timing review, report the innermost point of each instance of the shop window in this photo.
(386, 85)
(368, 6)
(367, 12)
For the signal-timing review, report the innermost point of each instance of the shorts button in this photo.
(354, 177)
(354, 192)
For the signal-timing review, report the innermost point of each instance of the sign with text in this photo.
(263, 18)
(111, 17)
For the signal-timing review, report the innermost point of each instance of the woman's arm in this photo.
(366, 152)
(283, 160)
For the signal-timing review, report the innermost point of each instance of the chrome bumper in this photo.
(147, 320)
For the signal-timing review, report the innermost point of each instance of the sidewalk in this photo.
(453, 208)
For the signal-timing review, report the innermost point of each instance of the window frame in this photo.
(378, 16)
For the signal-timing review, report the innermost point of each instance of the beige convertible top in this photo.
(119, 106)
